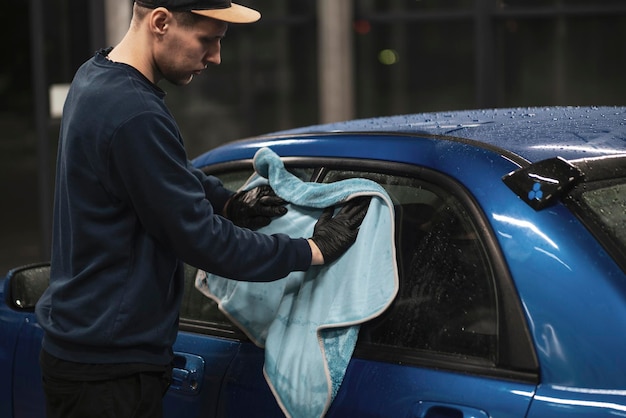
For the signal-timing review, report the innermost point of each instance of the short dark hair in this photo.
(188, 19)
(139, 12)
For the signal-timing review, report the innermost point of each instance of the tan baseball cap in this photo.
(223, 10)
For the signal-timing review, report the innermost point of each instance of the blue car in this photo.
(510, 235)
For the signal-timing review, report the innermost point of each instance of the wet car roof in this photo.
(532, 133)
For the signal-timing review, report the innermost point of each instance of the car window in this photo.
(447, 301)
(605, 200)
(233, 180)
(198, 312)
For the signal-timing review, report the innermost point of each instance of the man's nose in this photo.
(214, 57)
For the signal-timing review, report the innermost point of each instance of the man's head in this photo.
(179, 37)
(223, 10)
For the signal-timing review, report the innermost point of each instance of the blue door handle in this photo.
(187, 373)
(425, 409)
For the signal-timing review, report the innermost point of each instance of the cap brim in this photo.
(234, 14)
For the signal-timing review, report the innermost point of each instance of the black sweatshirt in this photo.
(128, 210)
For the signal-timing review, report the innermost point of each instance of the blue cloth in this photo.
(308, 322)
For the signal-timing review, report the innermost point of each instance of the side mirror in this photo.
(26, 285)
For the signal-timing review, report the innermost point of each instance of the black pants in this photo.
(112, 391)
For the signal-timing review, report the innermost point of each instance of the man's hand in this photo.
(254, 208)
(334, 235)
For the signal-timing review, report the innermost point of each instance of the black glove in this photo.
(254, 208)
(334, 235)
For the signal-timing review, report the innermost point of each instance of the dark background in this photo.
(409, 56)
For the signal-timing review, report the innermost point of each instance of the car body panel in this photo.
(27, 352)
(412, 391)
(217, 353)
(558, 401)
(10, 325)
(19, 361)
(245, 388)
(533, 132)
(547, 262)
(366, 383)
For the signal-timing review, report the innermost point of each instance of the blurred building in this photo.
(306, 61)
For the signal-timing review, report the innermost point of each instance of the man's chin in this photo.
(181, 81)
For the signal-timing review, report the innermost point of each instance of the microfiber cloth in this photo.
(308, 322)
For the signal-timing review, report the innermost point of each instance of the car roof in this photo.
(533, 133)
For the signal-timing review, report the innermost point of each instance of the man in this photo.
(129, 210)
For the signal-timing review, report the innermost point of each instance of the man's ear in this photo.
(160, 20)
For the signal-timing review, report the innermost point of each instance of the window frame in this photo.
(515, 359)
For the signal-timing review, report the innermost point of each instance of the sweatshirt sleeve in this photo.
(214, 190)
(148, 169)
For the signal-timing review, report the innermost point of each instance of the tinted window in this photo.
(602, 208)
(609, 206)
(235, 179)
(446, 303)
(198, 311)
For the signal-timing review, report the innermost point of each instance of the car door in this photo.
(243, 391)
(233, 365)
(205, 347)
(200, 360)
(453, 344)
